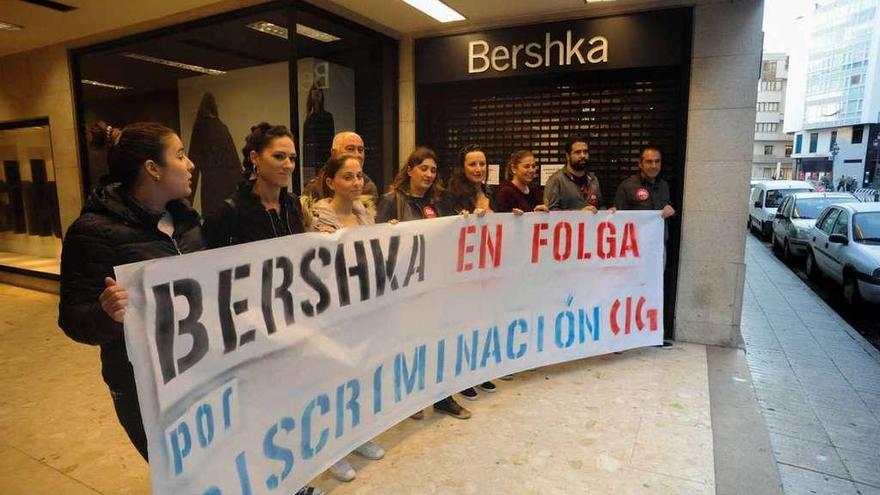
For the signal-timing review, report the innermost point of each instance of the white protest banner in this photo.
(260, 365)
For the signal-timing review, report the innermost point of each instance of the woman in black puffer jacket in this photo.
(141, 216)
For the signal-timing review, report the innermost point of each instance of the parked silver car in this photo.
(796, 215)
(765, 199)
(845, 246)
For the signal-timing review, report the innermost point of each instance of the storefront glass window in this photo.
(30, 225)
(213, 79)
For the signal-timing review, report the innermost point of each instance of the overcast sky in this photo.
(778, 18)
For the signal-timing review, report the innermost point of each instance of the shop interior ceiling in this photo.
(224, 46)
(406, 20)
(92, 20)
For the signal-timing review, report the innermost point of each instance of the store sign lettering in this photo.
(482, 57)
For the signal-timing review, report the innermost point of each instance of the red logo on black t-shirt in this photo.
(590, 197)
(429, 212)
(642, 194)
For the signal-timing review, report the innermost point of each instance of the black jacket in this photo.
(638, 193)
(112, 230)
(398, 205)
(452, 204)
(243, 218)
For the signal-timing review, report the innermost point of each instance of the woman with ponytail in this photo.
(262, 207)
(141, 215)
(519, 194)
(144, 215)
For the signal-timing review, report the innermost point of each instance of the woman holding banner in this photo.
(344, 204)
(415, 194)
(142, 215)
(517, 194)
(468, 194)
(262, 207)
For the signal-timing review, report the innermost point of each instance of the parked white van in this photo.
(766, 198)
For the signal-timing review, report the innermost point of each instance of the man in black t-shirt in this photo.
(645, 190)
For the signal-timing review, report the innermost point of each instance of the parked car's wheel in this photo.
(810, 267)
(752, 228)
(766, 230)
(774, 244)
(851, 290)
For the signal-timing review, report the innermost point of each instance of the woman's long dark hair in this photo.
(463, 191)
(401, 180)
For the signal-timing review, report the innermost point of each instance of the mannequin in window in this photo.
(318, 131)
(212, 147)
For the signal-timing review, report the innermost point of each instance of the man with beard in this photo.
(574, 187)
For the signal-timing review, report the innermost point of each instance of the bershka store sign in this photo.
(535, 55)
(651, 39)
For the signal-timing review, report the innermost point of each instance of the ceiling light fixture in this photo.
(597, 1)
(176, 65)
(105, 85)
(302, 30)
(7, 26)
(436, 9)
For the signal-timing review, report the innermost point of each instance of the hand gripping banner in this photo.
(260, 365)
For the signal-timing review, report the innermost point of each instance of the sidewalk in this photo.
(636, 422)
(817, 381)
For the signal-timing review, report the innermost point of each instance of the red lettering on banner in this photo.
(490, 248)
(582, 253)
(562, 229)
(638, 312)
(465, 248)
(628, 315)
(606, 241)
(566, 247)
(615, 328)
(630, 241)
(640, 324)
(537, 240)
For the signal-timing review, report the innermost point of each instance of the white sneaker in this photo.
(342, 470)
(371, 451)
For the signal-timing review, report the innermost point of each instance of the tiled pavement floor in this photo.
(817, 381)
(598, 426)
(33, 263)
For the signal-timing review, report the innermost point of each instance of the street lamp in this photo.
(876, 143)
(835, 149)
